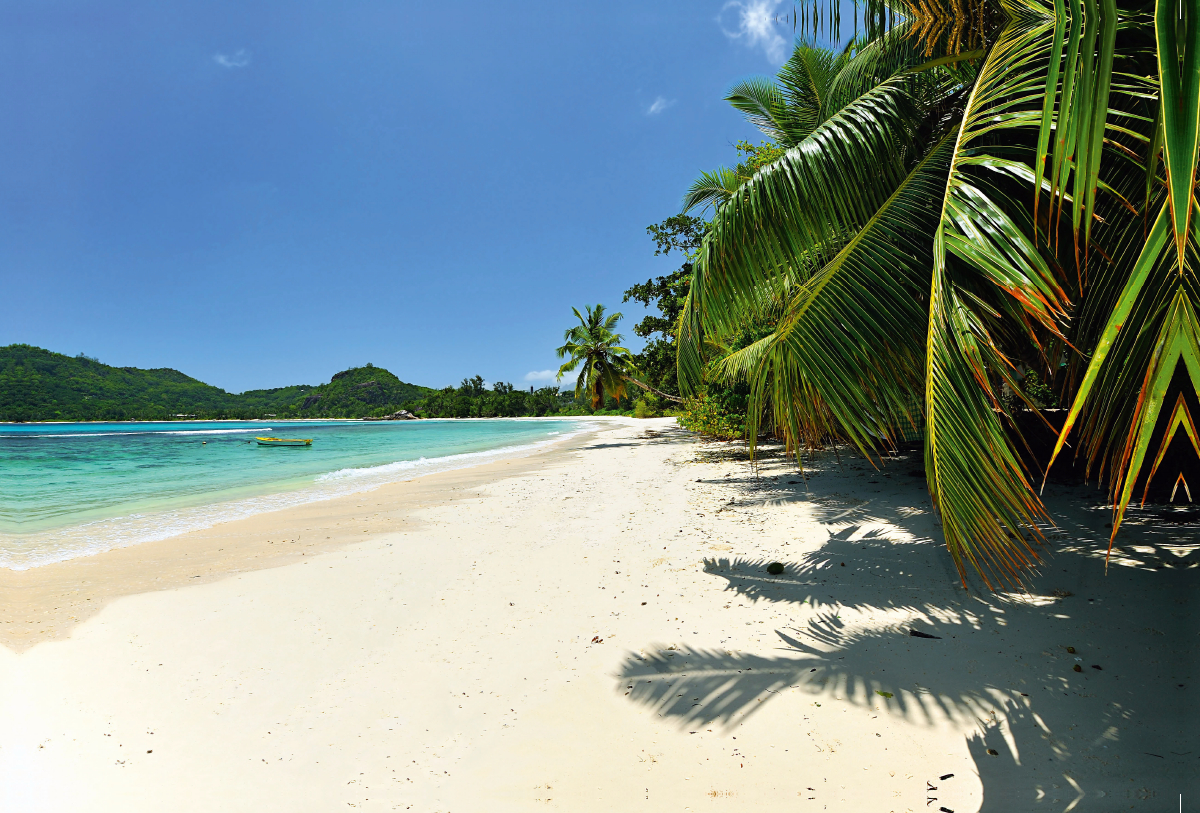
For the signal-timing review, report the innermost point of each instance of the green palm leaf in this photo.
(712, 189)
(794, 215)
(984, 265)
(1151, 328)
(853, 333)
(1056, 159)
(594, 349)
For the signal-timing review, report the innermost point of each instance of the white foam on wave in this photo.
(23, 552)
(255, 430)
(387, 469)
(143, 432)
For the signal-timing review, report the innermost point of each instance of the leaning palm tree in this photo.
(1008, 185)
(592, 344)
(607, 367)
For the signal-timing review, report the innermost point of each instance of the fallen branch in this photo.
(648, 388)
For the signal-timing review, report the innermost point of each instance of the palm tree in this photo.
(992, 196)
(607, 367)
(593, 344)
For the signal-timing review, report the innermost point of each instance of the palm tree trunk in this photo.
(648, 388)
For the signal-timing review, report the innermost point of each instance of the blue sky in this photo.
(261, 194)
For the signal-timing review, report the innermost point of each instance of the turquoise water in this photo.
(69, 490)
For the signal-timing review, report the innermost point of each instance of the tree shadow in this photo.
(660, 436)
(1117, 733)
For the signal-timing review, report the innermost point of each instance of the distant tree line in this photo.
(39, 385)
(473, 399)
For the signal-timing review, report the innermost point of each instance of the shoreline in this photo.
(257, 503)
(56, 596)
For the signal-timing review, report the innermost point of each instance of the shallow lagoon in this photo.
(68, 490)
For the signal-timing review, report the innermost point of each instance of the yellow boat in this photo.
(284, 442)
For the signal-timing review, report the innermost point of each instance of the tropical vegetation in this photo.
(967, 199)
(681, 234)
(39, 385)
(36, 384)
(473, 398)
(592, 348)
(604, 367)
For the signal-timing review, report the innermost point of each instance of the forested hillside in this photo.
(355, 393)
(38, 385)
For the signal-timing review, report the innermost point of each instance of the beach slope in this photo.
(594, 629)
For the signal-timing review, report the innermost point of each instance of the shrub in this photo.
(711, 416)
(648, 406)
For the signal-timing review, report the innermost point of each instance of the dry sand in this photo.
(593, 628)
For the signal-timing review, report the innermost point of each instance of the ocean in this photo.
(69, 490)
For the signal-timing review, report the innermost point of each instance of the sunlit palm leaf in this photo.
(1177, 32)
(761, 101)
(592, 348)
(1152, 329)
(981, 255)
(794, 215)
(854, 332)
(712, 189)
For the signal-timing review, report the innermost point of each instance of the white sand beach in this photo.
(593, 629)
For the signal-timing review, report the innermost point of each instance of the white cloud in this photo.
(756, 26)
(541, 375)
(659, 105)
(238, 59)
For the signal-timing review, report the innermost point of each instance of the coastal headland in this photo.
(593, 627)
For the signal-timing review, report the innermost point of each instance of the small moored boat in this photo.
(284, 441)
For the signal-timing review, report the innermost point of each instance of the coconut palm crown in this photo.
(593, 344)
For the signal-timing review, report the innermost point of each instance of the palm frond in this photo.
(981, 254)
(854, 332)
(761, 101)
(794, 215)
(712, 189)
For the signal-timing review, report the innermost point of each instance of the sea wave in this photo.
(407, 465)
(255, 430)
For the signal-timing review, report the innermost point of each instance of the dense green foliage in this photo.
(981, 211)
(721, 415)
(656, 362)
(472, 399)
(354, 393)
(594, 351)
(38, 385)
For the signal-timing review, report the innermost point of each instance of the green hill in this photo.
(38, 385)
(354, 393)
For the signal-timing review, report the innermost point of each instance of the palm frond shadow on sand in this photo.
(1000, 667)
